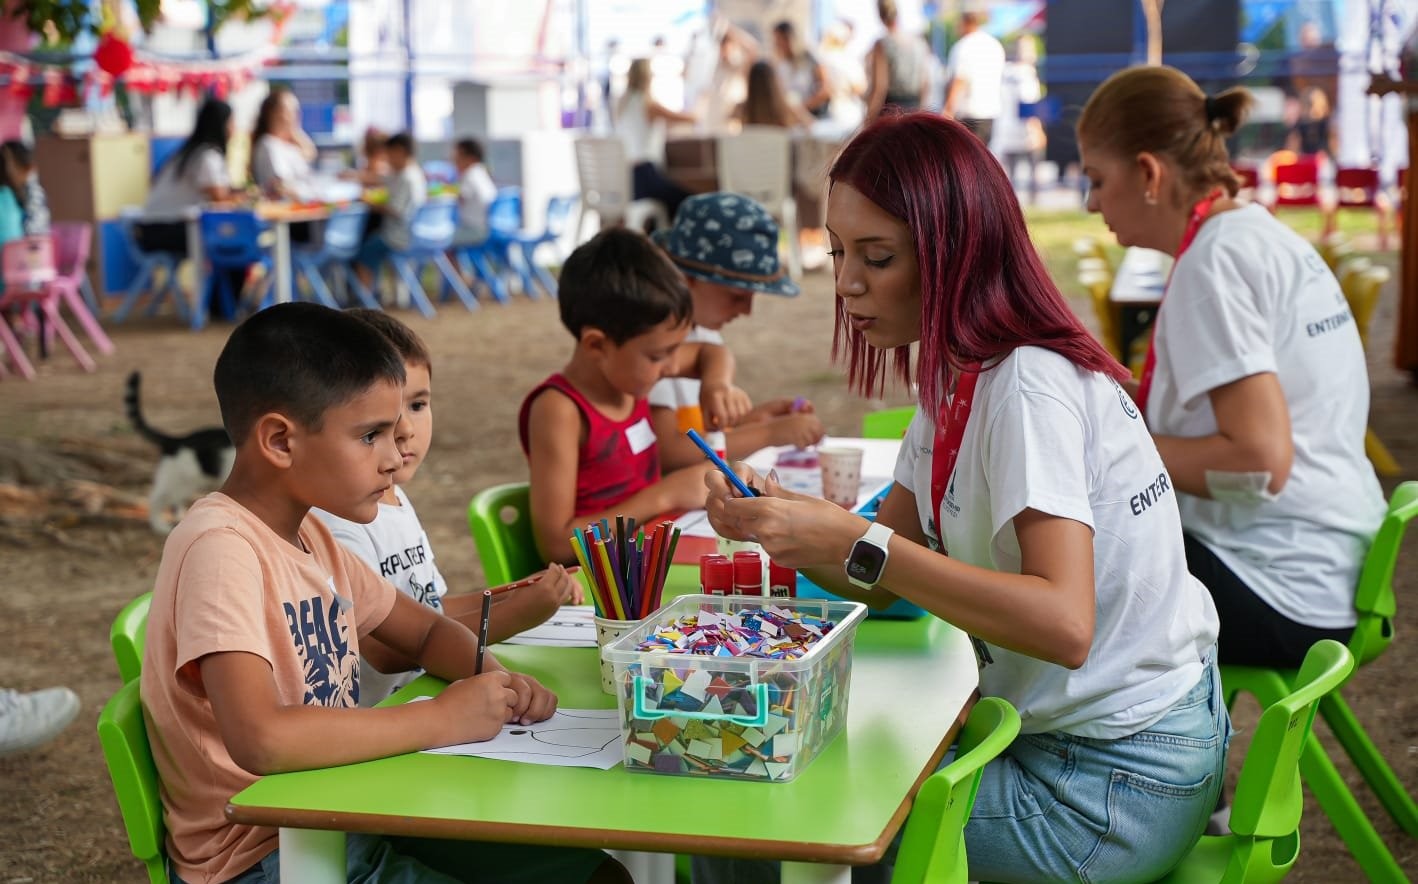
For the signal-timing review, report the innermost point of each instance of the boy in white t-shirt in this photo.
(396, 546)
(406, 190)
(476, 191)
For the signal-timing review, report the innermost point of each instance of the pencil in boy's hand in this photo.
(743, 490)
(482, 631)
(528, 581)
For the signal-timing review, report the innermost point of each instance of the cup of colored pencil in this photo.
(626, 567)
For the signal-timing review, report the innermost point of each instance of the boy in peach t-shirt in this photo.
(252, 652)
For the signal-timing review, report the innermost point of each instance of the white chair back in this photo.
(755, 163)
(605, 177)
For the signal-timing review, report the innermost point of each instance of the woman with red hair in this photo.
(1030, 509)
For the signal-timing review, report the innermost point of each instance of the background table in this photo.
(911, 681)
(1136, 293)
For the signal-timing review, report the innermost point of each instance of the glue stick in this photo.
(748, 573)
(716, 574)
(715, 440)
(782, 581)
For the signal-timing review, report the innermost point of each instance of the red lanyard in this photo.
(949, 430)
(1199, 213)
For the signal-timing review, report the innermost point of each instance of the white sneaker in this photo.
(31, 719)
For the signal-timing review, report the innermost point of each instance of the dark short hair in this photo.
(470, 148)
(19, 152)
(301, 360)
(622, 284)
(401, 140)
(410, 346)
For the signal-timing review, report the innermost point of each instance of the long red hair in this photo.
(984, 289)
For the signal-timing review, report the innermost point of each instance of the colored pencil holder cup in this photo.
(607, 631)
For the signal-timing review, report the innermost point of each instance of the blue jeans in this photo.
(1055, 807)
(376, 859)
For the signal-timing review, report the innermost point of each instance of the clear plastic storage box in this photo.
(737, 717)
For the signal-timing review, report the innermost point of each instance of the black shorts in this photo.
(1252, 632)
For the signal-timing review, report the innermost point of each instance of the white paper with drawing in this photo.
(570, 738)
(570, 627)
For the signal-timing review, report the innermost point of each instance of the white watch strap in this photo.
(878, 534)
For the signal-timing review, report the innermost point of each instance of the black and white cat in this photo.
(190, 466)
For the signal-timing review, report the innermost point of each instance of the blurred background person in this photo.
(281, 151)
(640, 121)
(766, 103)
(1312, 135)
(975, 71)
(898, 67)
(846, 77)
(803, 76)
(1019, 135)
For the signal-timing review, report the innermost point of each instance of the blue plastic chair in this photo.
(440, 172)
(338, 247)
(149, 265)
(483, 259)
(231, 241)
(506, 233)
(430, 238)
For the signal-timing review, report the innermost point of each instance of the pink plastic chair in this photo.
(27, 267)
(71, 257)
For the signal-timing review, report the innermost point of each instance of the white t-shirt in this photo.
(643, 137)
(407, 191)
(476, 191)
(979, 59)
(277, 160)
(1046, 435)
(172, 194)
(397, 548)
(1251, 296)
(677, 393)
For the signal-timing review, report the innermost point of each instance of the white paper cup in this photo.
(841, 474)
(607, 631)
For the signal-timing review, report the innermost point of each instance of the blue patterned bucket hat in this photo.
(729, 239)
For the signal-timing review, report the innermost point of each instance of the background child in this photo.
(476, 191)
(254, 634)
(407, 190)
(396, 546)
(23, 178)
(724, 273)
(590, 444)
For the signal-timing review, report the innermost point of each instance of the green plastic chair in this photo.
(933, 846)
(1265, 813)
(129, 630)
(889, 423)
(1374, 600)
(135, 778)
(500, 519)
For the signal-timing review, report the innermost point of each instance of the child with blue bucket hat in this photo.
(726, 245)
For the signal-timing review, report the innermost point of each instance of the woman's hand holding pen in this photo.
(794, 529)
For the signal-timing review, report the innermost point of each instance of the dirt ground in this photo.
(70, 565)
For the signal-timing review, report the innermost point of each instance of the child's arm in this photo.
(797, 428)
(723, 404)
(265, 735)
(519, 610)
(554, 438)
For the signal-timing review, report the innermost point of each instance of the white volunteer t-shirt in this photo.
(277, 160)
(1046, 435)
(397, 548)
(979, 59)
(1252, 296)
(677, 393)
(408, 190)
(173, 193)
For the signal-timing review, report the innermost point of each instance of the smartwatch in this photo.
(868, 558)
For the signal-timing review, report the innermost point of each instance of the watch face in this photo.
(866, 562)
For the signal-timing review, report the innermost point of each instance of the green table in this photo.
(911, 681)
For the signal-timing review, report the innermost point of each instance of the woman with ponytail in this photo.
(1255, 389)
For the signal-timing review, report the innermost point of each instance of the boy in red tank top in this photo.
(586, 430)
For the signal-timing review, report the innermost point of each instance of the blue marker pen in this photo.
(743, 490)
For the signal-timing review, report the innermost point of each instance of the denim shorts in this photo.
(375, 859)
(1055, 807)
